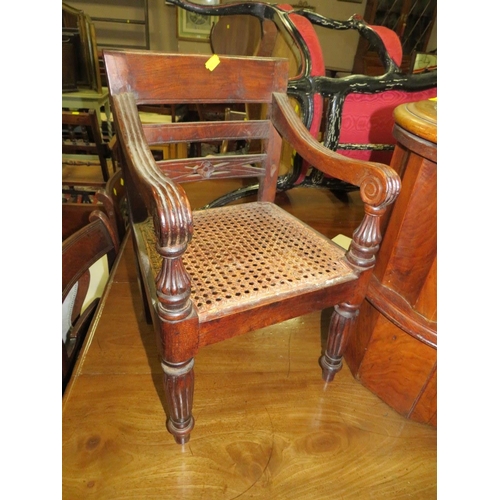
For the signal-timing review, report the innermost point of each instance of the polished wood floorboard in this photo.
(267, 427)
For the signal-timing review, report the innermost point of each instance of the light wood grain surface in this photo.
(266, 424)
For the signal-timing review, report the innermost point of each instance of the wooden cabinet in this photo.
(393, 350)
(412, 20)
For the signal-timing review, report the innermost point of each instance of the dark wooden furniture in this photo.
(209, 275)
(237, 35)
(82, 142)
(111, 200)
(394, 349)
(79, 252)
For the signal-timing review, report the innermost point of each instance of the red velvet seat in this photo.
(368, 118)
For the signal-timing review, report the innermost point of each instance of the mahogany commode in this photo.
(394, 349)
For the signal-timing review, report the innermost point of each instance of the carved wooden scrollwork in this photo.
(171, 213)
(205, 169)
(382, 189)
(366, 239)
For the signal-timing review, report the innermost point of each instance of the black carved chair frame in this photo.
(303, 86)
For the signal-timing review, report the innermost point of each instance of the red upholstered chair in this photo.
(368, 118)
(359, 109)
(315, 67)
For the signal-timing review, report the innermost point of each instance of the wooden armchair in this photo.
(79, 252)
(211, 274)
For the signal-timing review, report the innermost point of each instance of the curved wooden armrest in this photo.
(379, 184)
(166, 200)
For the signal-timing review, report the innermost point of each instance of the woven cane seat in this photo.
(245, 255)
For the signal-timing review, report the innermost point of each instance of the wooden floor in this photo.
(267, 427)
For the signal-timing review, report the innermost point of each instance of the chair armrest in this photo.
(379, 184)
(166, 200)
(168, 205)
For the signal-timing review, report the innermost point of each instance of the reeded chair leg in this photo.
(178, 382)
(341, 324)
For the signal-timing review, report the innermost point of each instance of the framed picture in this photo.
(422, 62)
(352, 1)
(195, 27)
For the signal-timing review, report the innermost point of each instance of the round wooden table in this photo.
(393, 350)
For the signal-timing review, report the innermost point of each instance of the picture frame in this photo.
(352, 1)
(195, 27)
(422, 62)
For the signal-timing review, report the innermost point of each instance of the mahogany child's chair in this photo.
(209, 275)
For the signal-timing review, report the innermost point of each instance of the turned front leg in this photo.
(341, 324)
(178, 382)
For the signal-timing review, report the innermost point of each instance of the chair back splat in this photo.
(208, 275)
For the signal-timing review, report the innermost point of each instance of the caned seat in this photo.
(208, 275)
(242, 257)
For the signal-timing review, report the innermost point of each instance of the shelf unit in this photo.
(100, 21)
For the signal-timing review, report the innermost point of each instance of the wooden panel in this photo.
(425, 410)
(393, 349)
(396, 366)
(409, 247)
(356, 348)
(427, 301)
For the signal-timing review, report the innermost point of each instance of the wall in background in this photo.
(339, 47)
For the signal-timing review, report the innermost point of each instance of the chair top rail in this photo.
(188, 79)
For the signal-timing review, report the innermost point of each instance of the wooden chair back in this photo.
(79, 252)
(231, 82)
(111, 201)
(236, 35)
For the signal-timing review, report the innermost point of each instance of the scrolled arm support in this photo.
(366, 239)
(173, 286)
(379, 184)
(169, 208)
(377, 192)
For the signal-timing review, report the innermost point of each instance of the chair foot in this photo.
(341, 324)
(178, 382)
(330, 366)
(181, 434)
